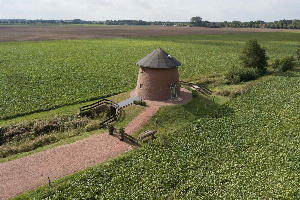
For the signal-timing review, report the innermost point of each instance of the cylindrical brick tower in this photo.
(158, 77)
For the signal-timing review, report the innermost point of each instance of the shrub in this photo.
(194, 93)
(26, 136)
(163, 140)
(92, 126)
(44, 129)
(121, 133)
(286, 63)
(111, 129)
(253, 56)
(276, 64)
(238, 75)
(225, 92)
(141, 103)
(297, 63)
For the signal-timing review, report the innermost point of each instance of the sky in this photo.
(151, 10)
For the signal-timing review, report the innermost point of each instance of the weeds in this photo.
(30, 135)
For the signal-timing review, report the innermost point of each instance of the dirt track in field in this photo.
(38, 33)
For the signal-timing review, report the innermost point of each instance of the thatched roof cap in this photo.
(158, 59)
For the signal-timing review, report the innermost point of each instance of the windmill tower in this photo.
(158, 77)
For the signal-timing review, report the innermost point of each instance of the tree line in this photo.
(79, 21)
(195, 21)
(42, 21)
(282, 24)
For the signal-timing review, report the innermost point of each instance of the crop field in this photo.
(246, 149)
(44, 75)
(11, 33)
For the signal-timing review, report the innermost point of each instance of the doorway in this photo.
(173, 91)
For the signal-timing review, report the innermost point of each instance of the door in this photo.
(173, 91)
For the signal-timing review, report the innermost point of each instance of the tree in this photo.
(197, 21)
(253, 56)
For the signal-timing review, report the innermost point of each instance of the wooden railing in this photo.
(130, 138)
(100, 103)
(198, 87)
(97, 104)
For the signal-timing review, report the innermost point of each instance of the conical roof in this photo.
(158, 59)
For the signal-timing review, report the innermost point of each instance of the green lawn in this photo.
(247, 148)
(45, 75)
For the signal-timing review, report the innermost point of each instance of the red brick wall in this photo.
(156, 83)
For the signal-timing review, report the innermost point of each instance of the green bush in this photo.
(238, 75)
(111, 129)
(121, 133)
(284, 64)
(298, 53)
(276, 64)
(141, 103)
(297, 63)
(92, 126)
(27, 136)
(194, 93)
(253, 56)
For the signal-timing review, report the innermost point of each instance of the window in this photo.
(141, 86)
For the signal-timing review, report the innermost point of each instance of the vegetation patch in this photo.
(30, 135)
(38, 76)
(284, 64)
(238, 75)
(246, 148)
(141, 103)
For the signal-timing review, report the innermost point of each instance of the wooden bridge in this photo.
(97, 104)
(100, 103)
(117, 106)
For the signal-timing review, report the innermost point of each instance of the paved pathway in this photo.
(24, 174)
(128, 102)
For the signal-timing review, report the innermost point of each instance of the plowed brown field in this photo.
(37, 33)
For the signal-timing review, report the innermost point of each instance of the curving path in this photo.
(24, 174)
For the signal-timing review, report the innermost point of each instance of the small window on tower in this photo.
(141, 86)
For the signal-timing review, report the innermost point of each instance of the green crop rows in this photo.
(247, 149)
(44, 75)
